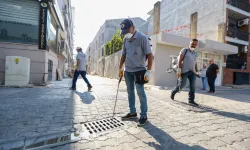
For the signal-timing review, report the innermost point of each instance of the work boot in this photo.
(172, 95)
(193, 103)
(89, 88)
(73, 89)
(142, 121)
(129, 116)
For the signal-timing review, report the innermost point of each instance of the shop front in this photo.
(31, 29)
(167, 47)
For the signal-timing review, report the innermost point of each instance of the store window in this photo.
(51, 28)
(19, 21)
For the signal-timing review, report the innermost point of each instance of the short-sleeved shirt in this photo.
(189, 60)
(135, 52)
(203, 72)
(211, 70)
(82, 57)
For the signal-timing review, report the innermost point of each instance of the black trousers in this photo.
(211, 81)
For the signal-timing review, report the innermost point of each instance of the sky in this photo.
(91, 14)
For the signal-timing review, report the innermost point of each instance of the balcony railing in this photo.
(236, 33)
(241, 4)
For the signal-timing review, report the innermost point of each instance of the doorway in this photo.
(50, 70)
(203, 57)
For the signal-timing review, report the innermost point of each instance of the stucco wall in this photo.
(38, 58)
(112, 65)
(177, 13)
(30, 51)
(162, 62)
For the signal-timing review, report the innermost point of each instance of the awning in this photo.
(206, 45)
(218, 47)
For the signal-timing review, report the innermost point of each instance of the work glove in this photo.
(178, 72)
(121, 73)
(198, 75)
(147, 75)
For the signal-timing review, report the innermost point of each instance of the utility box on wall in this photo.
(17, 71)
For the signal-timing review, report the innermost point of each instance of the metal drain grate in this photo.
(103, 125)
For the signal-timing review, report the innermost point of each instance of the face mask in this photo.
(192, 49)
(128, 36)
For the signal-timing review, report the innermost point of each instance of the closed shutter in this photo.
(23, 11)
(19, 21)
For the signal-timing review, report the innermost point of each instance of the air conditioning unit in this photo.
(243, 22)
(244, 49)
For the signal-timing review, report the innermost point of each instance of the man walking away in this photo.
(204, 77)
(80, 69)
(187, 69)
(212, 72)
(136, 49)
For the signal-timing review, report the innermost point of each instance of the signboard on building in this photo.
(42, 41)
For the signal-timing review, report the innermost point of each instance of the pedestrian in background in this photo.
(81, 69)
(187, 70)
(211, 73)
(204, 77)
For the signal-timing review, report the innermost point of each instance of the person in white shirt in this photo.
(80, 69)
(204, 77)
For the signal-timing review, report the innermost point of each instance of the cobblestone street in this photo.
(223, 121)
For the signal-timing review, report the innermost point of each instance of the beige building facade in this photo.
(225, 21)
(41, 31)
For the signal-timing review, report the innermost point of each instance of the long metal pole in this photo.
(116, 96)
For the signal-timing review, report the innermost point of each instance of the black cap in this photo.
(125, 25)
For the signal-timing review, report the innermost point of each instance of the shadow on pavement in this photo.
(204, 108)
(165, 140)
(86, 97)
(239, 95)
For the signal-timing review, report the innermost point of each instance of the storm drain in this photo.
(104, 125)
(43, 142)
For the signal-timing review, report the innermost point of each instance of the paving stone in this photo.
(184, 133)
(245, 143)
(12, 145)
(28, 134)
(226, 148)
(212, 143)
(117, 134)
(126, 139)
(124, 146)
(42, 129)
(237, 146)
(170, 127)
(9, 122)
(245, 134)
(217, 133)
(143, 134)
(133, 130)
(108, 142)
(111, 148)
(198, 137)
(230, 139)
